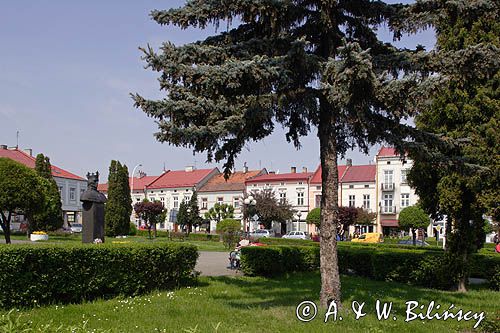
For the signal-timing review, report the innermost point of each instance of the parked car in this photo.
(76, 227)
(369, 237)
(296, 235)
(265, 233)
(410, 242)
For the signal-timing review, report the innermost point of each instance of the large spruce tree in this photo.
(461, 180)
(51, 216)
(119, 204)
(305, 65)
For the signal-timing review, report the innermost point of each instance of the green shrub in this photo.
(44, 274)
(132, 230)
(413, 266)
(285, 241)
(229, 229)
(203, 237)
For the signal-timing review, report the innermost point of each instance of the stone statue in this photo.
(93, 211)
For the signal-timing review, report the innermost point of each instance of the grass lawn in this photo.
(77, 239)
(246, 304)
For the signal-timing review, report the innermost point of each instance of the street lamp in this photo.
(132, 185)
(299, 214)
(249, 201)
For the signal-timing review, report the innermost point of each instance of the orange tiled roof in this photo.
(236, 181)
(139, 183)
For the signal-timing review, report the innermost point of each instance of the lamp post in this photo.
(299, 214)
(132, 186)
(248, 201)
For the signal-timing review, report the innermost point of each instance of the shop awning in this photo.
(389, 223)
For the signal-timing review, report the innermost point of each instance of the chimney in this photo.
(28, 151)
(293, 169)
(349, 162)
(304, 169)
(245, 167)
(3, 146)
(189, 168)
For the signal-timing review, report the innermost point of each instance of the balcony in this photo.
(387, 186)
(388, 210)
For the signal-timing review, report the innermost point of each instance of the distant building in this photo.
(292, 187)
(231, 192)
(70, 185)
(174, 187)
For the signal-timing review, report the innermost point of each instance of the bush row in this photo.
(42, 274)
(180, 235)
(419, 267)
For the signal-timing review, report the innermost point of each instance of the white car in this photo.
(76, 227)
(296, 235)
(266, 233)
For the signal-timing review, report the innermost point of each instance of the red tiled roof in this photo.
(360, 173)
(139, 183)
(236, 181)
(316, 179)
(389, 223)
(273, 177)
(387, 152)
(29, 161)
(180, 178)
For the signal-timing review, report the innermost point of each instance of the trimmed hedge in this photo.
(44, 274)
(418, 267)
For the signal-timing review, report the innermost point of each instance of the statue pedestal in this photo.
(93, 221)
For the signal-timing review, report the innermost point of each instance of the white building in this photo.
(292, 187)
(230, 192)
(174, 187)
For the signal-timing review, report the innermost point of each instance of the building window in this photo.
(71, 217)
(236, 202)
(388, 176)
(366, 201)
(162, 199)
(137, 199)
(300, 183)
(176, 202)
(351, 186)
(317, 201)
(388, 208)
(318, 188)
(72, 194)
(405, 199)
(352, 200)
(220, 200)
(404, 176)
(81, 192)
(367, 186)
(282, 197)
(204, 203)
(300, 198)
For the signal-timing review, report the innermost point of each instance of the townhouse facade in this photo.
(292, 187)
(231, 191)
(173, 187)
(70, 185)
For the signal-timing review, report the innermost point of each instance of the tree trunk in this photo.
(6, 226)
(447, 233)
(462, 281)
(330, 277)
(414, 235)
(154, 228)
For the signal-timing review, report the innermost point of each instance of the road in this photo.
(215, 264)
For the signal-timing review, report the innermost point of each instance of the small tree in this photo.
(21, 191)
(314, 217)
(413, 218)
(194, 219)
(150, 212)
(220, 212)
(364, 217)
(183, 216)
(270, 210)
(119, 204)
(229, 228)
(50, 217)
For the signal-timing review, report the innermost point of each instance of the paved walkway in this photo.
(215, 264)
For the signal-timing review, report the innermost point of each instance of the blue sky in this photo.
(66, 71)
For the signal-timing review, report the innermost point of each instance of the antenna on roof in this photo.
(17, 140)
(164, 167)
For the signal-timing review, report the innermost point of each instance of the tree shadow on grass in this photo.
(292, 289)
